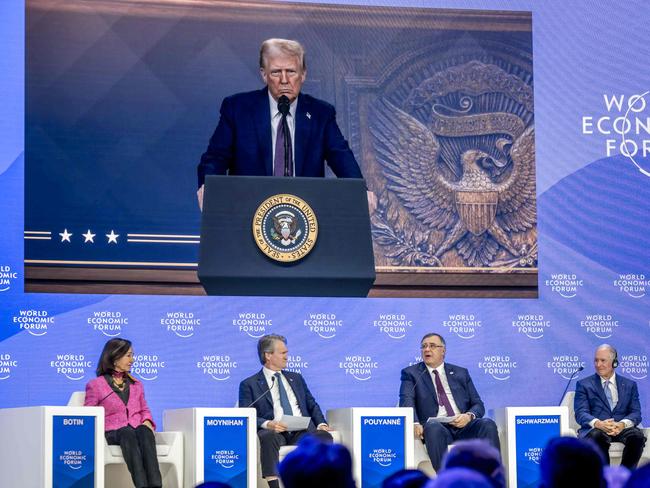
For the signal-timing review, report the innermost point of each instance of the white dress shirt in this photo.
(276, 118)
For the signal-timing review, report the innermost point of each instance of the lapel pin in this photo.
(308, 115)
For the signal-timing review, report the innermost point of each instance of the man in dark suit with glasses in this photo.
(446, 405)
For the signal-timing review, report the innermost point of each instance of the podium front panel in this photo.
(527, 431)
(225, 450)
(73, 451)
(382, 448)
(380, 440)
(52, 446)
(220, 444)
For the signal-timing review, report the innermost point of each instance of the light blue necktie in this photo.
(608, 395)
(284, 398)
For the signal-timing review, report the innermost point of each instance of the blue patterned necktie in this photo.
(284, 398)
(608, 395)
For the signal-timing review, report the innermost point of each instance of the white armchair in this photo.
(169, 447)
(422, 461)
(616, 448)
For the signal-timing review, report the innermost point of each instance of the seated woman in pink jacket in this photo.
(128, 421)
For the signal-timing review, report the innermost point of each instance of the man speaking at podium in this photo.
(277, 131)
(608, 410)
(446, 405)
(276, 393)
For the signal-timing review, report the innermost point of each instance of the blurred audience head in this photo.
(616, 476)
(406, 478)
(568, 462)
(316, 464)
(640, 478)
(459, 478)
(479, 455)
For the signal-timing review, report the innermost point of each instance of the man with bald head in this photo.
(608, 410)
(245, 141)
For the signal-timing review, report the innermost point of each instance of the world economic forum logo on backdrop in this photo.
(464, 326)
(296, 363)
(499, 366)
(217, 366)
(624, 124)
(532, 326)
(7, 277)
(7, 366)
(600, 325)
(147, 366)
(359, 367)
(72, 366)
(565, 365)
(36, 322)
(565, 284)
(635, 365)
(253, 324)
(285, 228)
(634, 285)
(109, 323)
(181, 323)
(325, 325)
(394, 326)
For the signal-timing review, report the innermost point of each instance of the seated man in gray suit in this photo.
(608, 410)
(274, 393)
(435, 390)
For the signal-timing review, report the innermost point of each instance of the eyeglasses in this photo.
(429, 346)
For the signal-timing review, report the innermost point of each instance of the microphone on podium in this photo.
(569, 382)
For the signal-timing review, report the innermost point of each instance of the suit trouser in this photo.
(633, 439)
(437, 436)
(271, 441)
(139, 451)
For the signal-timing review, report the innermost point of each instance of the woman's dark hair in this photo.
(113, 350)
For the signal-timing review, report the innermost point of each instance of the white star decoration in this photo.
(89, 236)
(112, 237)
(65, 235)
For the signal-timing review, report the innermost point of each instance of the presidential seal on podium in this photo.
(285, 228)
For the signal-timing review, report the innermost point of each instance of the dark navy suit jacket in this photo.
(255, 386)
(242, 145)
(590, 403)
(417, 391)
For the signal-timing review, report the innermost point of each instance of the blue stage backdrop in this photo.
(593, 189)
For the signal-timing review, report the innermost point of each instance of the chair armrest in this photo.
(168, 438)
